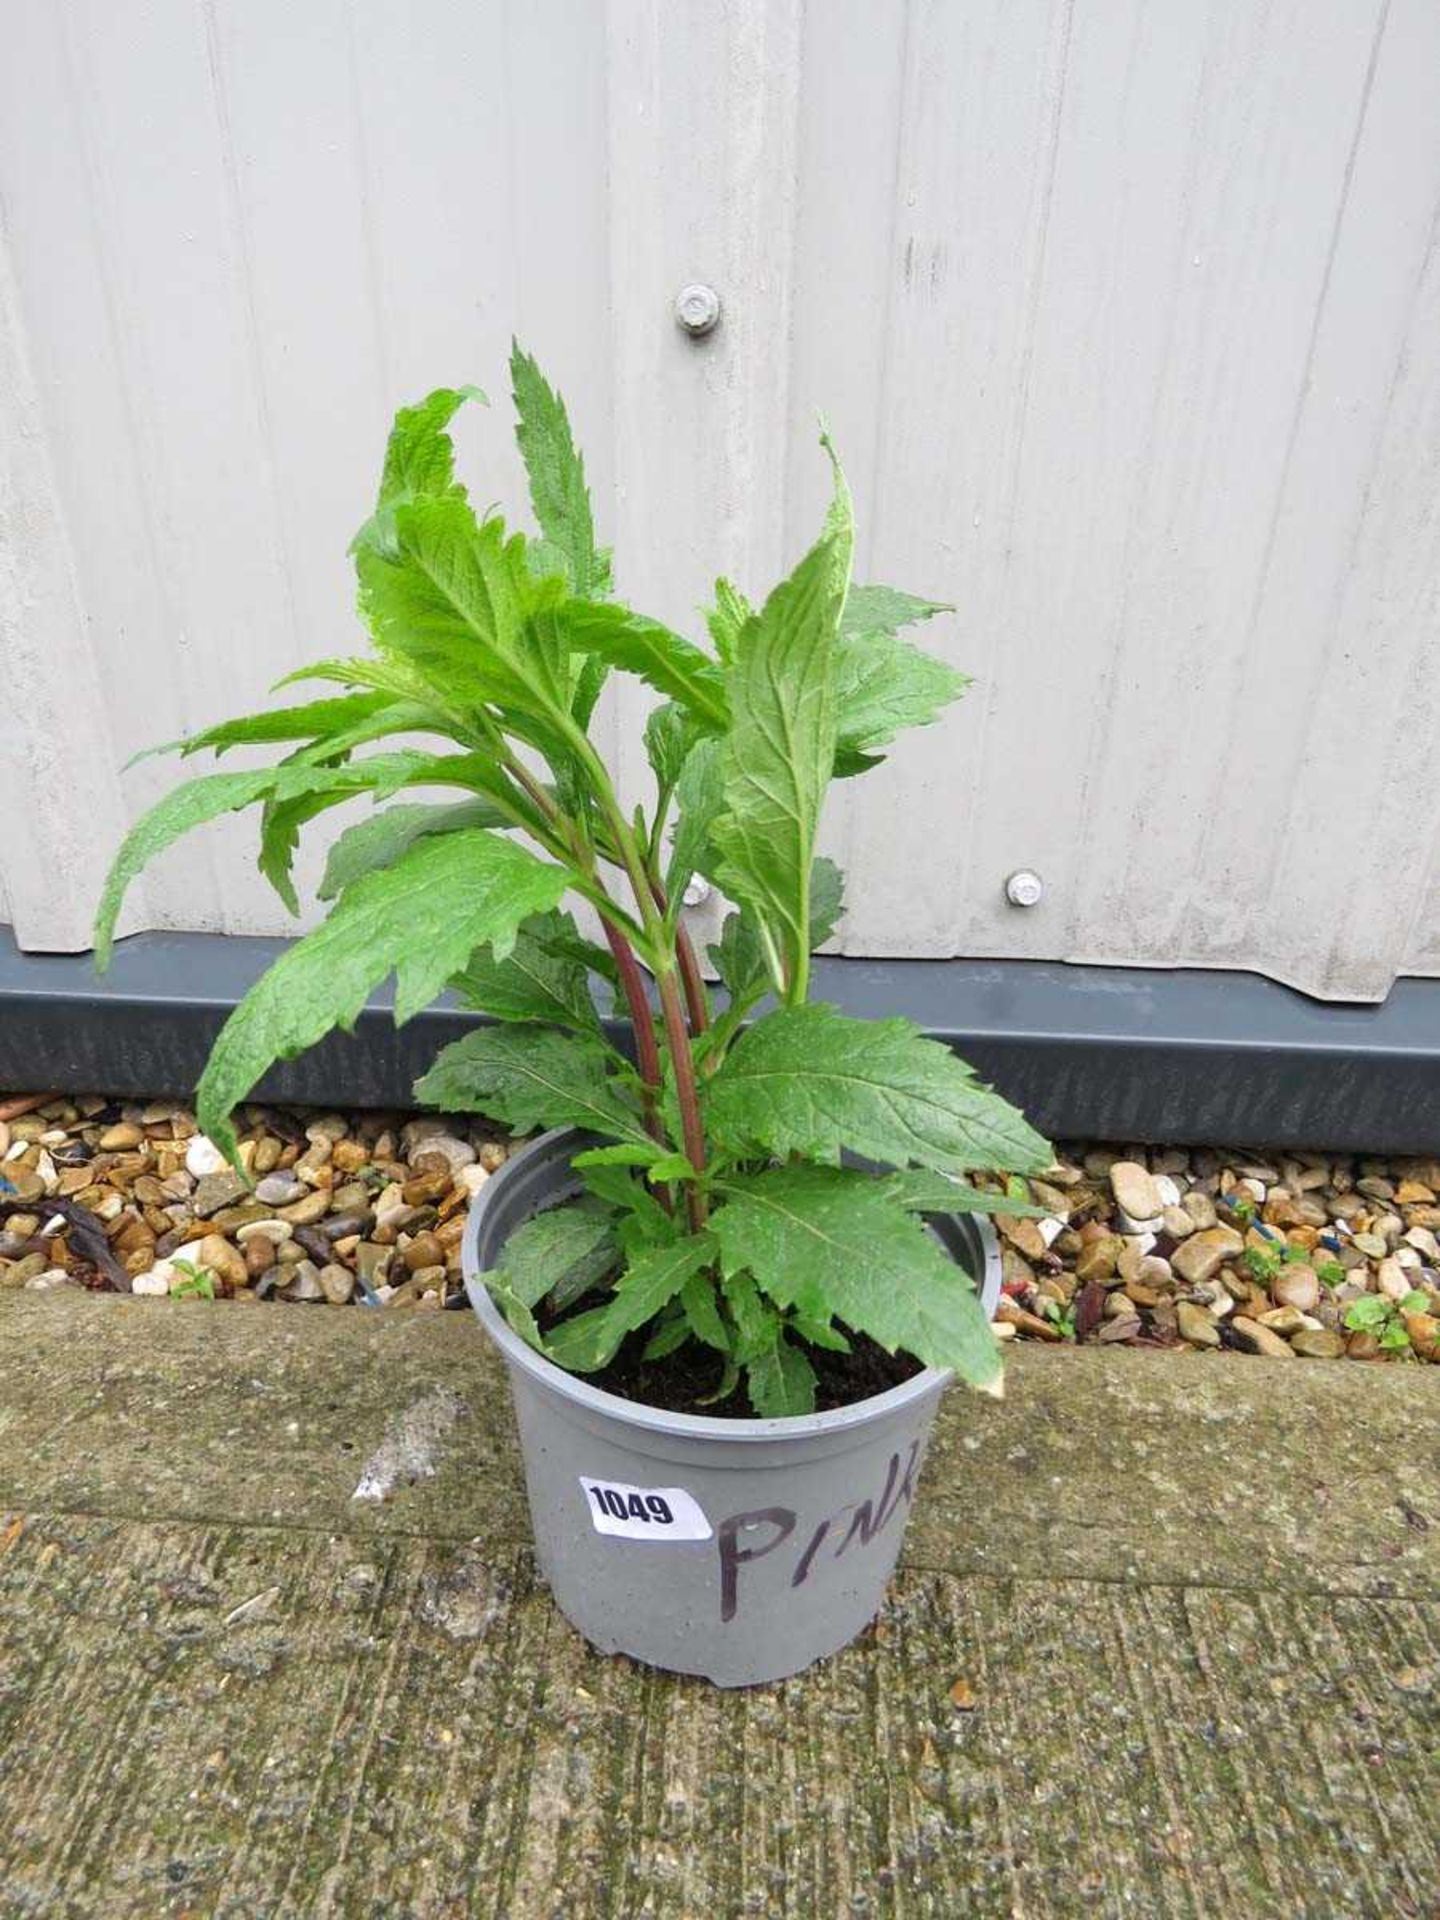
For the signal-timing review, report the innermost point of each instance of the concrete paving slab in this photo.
(1165, 1643)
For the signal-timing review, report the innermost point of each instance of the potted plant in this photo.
(733, 1278)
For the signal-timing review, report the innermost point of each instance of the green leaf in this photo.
(455, 602)
(556, 472)
(756, 1322)
(1371, 1310)
(532, 983)
(300, 796)
(780, 748)
(825, 1240)
(420, 919)
(702, 1314)
(309, 721)
(204, 799)
(420, 456)
(739, 958)
(727, 618)
(781, 1381)
(670, 733)
(871, 610)
(884, 685)
(562, 1252)
(305, 789)
(819, 1333)
(644, 1223)
(529, 1078)
(1394, 1337)
(618, 1156)
(519, 1317)
(668, 1337)
(665, 661)
(700, 793)
(377, 841)
(1415, 1302)
(590, 1340)
(827, 899)
(921, 1191)
(812, 1081)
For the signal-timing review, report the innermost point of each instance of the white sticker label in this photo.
(644, 1513)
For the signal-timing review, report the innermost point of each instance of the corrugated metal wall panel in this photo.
(1127, 321)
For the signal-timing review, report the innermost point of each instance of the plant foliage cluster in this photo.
(717, 1207)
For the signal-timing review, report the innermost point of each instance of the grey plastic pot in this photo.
(742, 1550)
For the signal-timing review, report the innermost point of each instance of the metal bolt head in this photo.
(1024, 888)
(697, 309)
(697, 892)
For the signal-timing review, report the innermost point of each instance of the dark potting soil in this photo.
(685, 1381)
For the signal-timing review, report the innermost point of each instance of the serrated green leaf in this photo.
(781, 1381)
(700, 794)
(812, 1081)
(377, 841)
(300, 796)
(727, 618)
(665, 661)
(874, 609)
(670, 1166)
(828, 1241)
(455, 602)
(192, 805)
(702, 1314)
(669, 1336)
(739, 958)
(518, 1316)
(556, 472)
(884, 685)
(305, 788)
(590, 1340)
(562, 1252)
(532, 983)
(204, 799)
(531, 1078)
(420, 919)
(922, 1191)
(670, 734)
(780, 748)
(819, 1333)
(756, 1321)
(827, 899)
(419, 455)
(618, 1156)
(643, 1223)
(311, 720)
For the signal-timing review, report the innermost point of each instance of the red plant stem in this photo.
(691, 978)
(692, 1133)
(697, 1003)
(647, 1049)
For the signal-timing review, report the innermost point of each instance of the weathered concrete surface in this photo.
(1310, 1476)
(1196, 1604)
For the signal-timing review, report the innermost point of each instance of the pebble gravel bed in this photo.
(1314, 1256)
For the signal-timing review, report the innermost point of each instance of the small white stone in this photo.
(1050, 1230)
(14, 1151)
(1408, 1257)
(1140, 1237)
(190, 1251)
(55, 1224)
(473, 1178)
(1168, 1189)
(51, 1278)
(272, 1230)
(456, 1153)
(202, 1156)
(1255, 1189)
(1131, 1225)
(156, 1281)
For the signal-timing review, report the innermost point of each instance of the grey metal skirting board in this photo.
(1110, 1053)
